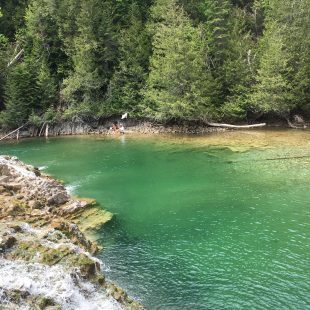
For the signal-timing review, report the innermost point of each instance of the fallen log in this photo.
(235, 126)
(16, 130)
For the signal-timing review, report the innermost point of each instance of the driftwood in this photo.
(16, 130)
(235, 126)
(291, 125)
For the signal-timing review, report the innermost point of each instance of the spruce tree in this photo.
(21, 94)
(93, 56)
(179, 84)
(130, 75)
(272, 92)
(231, 54)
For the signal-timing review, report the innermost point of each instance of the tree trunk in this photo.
(235, 126)
(46, 131)
(41, 129)
(2, 138)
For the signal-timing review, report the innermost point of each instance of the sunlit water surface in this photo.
(212, 222)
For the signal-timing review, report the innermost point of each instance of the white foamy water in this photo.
(71, 188)
(20, 169)
(42, 168)
(61, 284)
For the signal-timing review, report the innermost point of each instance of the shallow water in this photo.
(212, 222)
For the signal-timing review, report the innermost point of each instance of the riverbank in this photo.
(47, 261)
(78, 126)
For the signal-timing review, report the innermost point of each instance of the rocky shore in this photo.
(78, 127)
(47, 261)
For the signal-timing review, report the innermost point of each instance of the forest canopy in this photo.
(157, 59)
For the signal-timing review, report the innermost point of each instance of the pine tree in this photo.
(93, 55)
(179, 84)
(272, 92)
(21, 94)
(4, 57)
(295, 22)
(231, 49)
(283, 76)
(12, 17)
(129, 78)
(43, 48)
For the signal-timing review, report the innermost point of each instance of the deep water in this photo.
(214, 222)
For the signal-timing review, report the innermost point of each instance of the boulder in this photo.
(58, 198)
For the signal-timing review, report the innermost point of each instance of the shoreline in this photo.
(44, 233)
(132, 126)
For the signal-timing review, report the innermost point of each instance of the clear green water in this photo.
(215, 222)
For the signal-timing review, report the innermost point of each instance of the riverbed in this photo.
(220, 221)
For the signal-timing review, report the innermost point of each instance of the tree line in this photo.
(158, 59)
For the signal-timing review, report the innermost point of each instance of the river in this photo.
(220, 221)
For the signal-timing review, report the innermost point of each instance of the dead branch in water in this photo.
(2, 138)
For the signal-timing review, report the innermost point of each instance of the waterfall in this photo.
(63, 285)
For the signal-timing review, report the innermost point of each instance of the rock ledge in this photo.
(43, 235)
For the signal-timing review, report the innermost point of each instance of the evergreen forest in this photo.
(163, 60)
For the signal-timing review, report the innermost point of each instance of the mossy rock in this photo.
(17, 208)
(34, 251)
(87, 266)
(42, 302)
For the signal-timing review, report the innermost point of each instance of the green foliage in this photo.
(283, 75)
(129, 78)
(35, 119)
(162, 59)
(81, 110)
(4, 58)
(12, 16)
(273, 91)
(93, 56)
(179, 84)
(21, 94)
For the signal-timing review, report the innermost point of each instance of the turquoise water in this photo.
(214, 222)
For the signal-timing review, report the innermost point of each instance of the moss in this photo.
(34, 251)
(52, 256)
(17, 208)
(42, 302)
(92, 218)
(87, 266)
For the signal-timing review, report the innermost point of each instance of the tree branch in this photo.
(15, 58)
